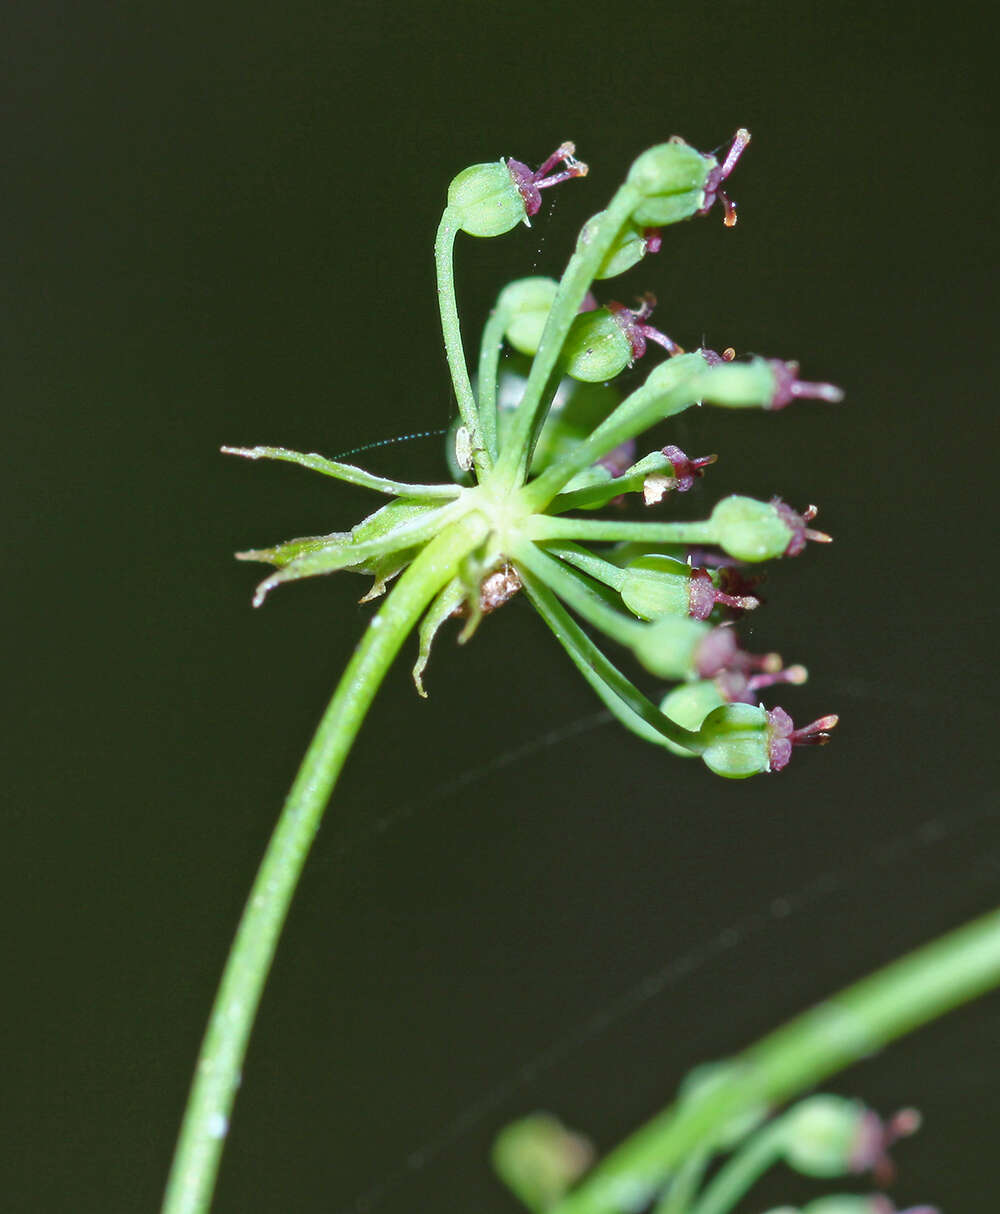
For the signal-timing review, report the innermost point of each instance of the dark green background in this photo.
(218, 230)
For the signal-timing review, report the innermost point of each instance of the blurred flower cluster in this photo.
(824, 1138)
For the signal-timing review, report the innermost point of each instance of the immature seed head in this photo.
(677, 182)
(490, 199)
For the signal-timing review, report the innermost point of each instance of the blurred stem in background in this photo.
(844, 1029)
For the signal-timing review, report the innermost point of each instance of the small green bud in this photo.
(750, 530)
(527, 303)
(603, 342)
(822, 1136)
(737, 741)
(677, 647)
(630, 246)
(491, 199)
(672, 178)
(676, 182)
(759, 531)
(539, 1159)
(827, 1136)
(688, 705)
(597, 348)
(487, 199)
(657, 585)
(744, 739)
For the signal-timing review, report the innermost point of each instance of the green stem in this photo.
(603, 489)
(583, 559)
(741, 1170)
(544, 527)
(680, 1193)
(624, 700)
(489, 363)
(206, 1117)
(579, 593)
(516, 456)
(451, 328)
(843, 1030)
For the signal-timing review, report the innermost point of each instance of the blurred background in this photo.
(219, 229)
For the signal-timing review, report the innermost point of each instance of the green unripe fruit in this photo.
(737, 741)
(750, 530)
(527, 303)
(822, 1135)
(629, 248)
(539, 1159)
(490, 199)
(669, 647)
(688, 705)
(597, 348)
(671, 179)
(486, 199)
(657, 585)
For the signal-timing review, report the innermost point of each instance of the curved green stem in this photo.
(451, 328)
(584, 596)
(831, 1036)
(206, 1117)
(621, 697)
(741, 1170)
